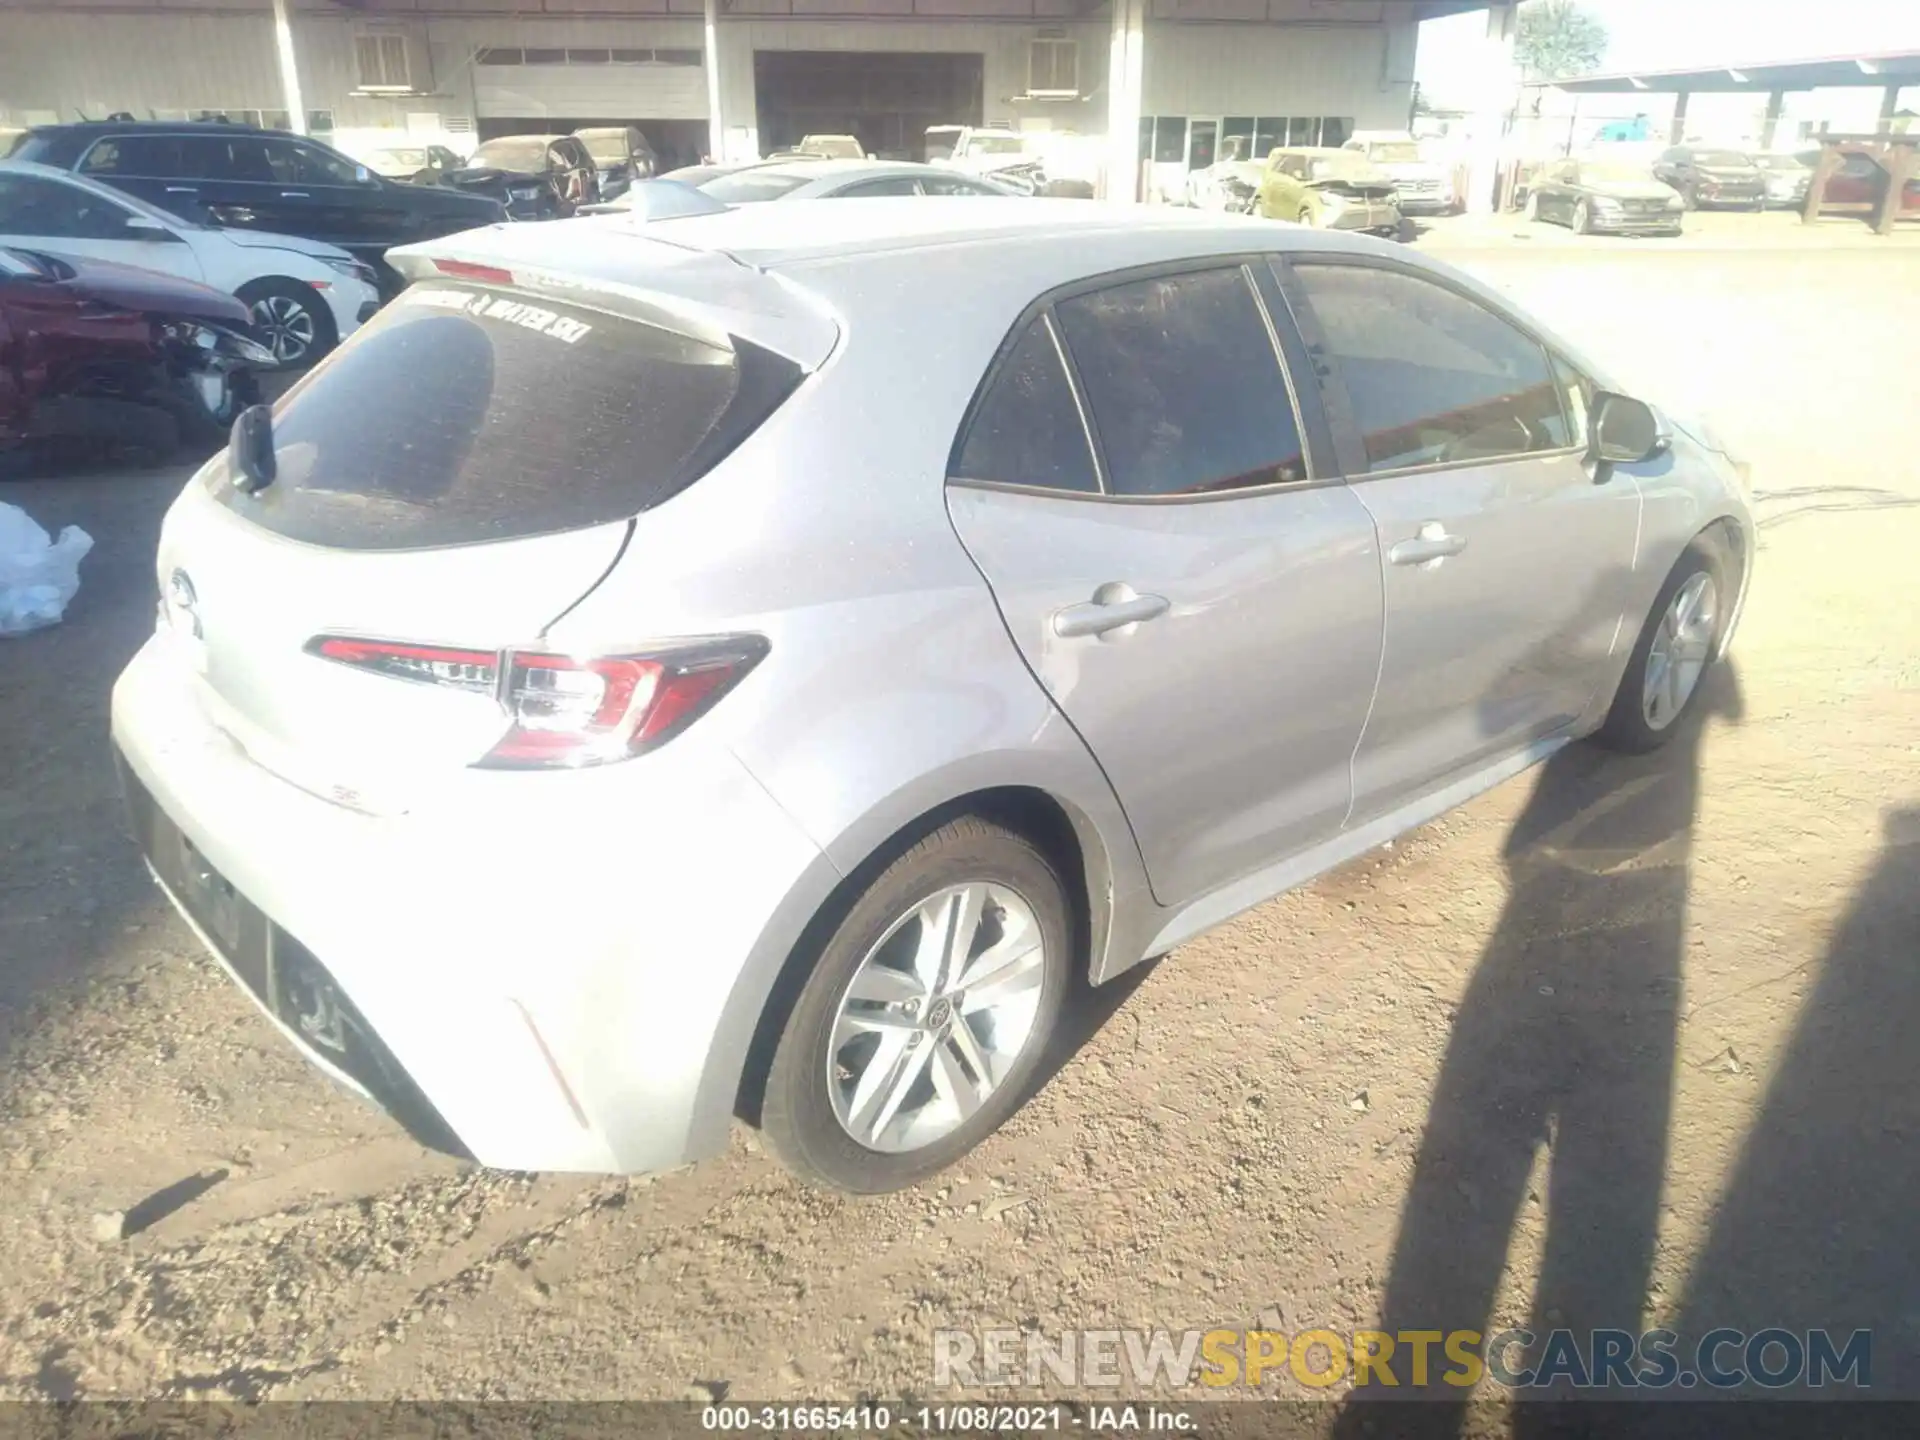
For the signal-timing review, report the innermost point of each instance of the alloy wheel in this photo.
(936, 1016)
(1680, 651)
(287, 326)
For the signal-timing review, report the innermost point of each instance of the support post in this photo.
(1677, 134)
(1499, 89)
(1125, 66)
(710, 57)
(1889, 107)
(1823, 170)
(1899, 163)
(289, 69)
(1770, 127)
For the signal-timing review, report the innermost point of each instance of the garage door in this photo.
(650, 84)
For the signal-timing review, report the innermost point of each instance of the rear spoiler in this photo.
(635, 270)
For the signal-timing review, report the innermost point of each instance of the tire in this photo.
(1531, 210)
(1689, 197)
(822, 1057)
(1582, 222)
(1072, 190)
(1627, 726)
(292, 321)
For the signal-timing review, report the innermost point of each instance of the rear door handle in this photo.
(1112, 608)
(295, 195)
(183, 190)
(1430, 546)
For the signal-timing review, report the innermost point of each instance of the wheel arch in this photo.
(261, 285)
(1069, 838)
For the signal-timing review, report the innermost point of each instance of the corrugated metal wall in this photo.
(71, 62)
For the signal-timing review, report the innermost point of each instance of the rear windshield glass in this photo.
(746, 186)
(526, 156)
(462, 415)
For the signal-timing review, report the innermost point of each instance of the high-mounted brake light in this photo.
(469, 270)
(567, 711)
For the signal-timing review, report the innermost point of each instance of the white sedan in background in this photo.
(305, 296)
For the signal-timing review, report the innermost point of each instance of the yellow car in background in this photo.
(1328, 189)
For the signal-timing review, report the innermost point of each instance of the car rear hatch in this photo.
(448, 484)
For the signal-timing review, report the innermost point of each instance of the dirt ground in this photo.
(1621, 1042)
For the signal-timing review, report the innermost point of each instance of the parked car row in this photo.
(1612, 191)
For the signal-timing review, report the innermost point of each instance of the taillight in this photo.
(470, 270)
(567, 711)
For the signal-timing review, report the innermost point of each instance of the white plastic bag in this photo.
(38, 576)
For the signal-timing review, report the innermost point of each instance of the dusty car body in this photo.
(621, 155)
(1604, 197)
(536, 177)
(1707, 178)
(832, 147)
(1423, 187)
(1328, 189)
(1788, 178)
(107, 356)
(1002, 155)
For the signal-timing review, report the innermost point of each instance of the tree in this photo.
(1558, 38)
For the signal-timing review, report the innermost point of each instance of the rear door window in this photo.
(1027, 429)
(138, 155)
(1185, 386)
(463, 414)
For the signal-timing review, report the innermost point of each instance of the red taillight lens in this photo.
(470, 270)
(567, 711)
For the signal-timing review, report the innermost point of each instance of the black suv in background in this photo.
(259, 180)
(1713, 177)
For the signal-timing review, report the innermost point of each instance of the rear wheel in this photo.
(1680, 639)
(292, 320)
(926, 1015)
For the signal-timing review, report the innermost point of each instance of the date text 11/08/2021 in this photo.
(960, 1418)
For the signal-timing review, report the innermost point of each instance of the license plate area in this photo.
(235, 928)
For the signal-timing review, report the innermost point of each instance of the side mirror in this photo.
(1625, 430)
(362, 174)
(152, 231)
(251, 463)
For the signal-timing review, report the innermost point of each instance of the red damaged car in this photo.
(110, 358)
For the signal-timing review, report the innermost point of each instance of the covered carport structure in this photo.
(1889, 72)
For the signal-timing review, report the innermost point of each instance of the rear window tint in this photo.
(1027, 428)
(749, 187)
(462, 415)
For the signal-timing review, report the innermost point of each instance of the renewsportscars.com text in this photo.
(1377, 1360)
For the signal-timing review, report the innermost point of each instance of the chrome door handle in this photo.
(295, 195)
(1431, 545)
(1112, 608)
(182, 190)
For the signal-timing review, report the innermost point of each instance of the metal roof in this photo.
(1899, 67)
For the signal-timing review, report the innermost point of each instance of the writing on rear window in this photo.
(499, 307)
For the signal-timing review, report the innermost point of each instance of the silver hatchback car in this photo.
(756, 662)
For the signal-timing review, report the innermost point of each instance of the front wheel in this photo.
(1583, 219)
(926, 1015)
(292, 320)
(1679, 640)
(1531, 211)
